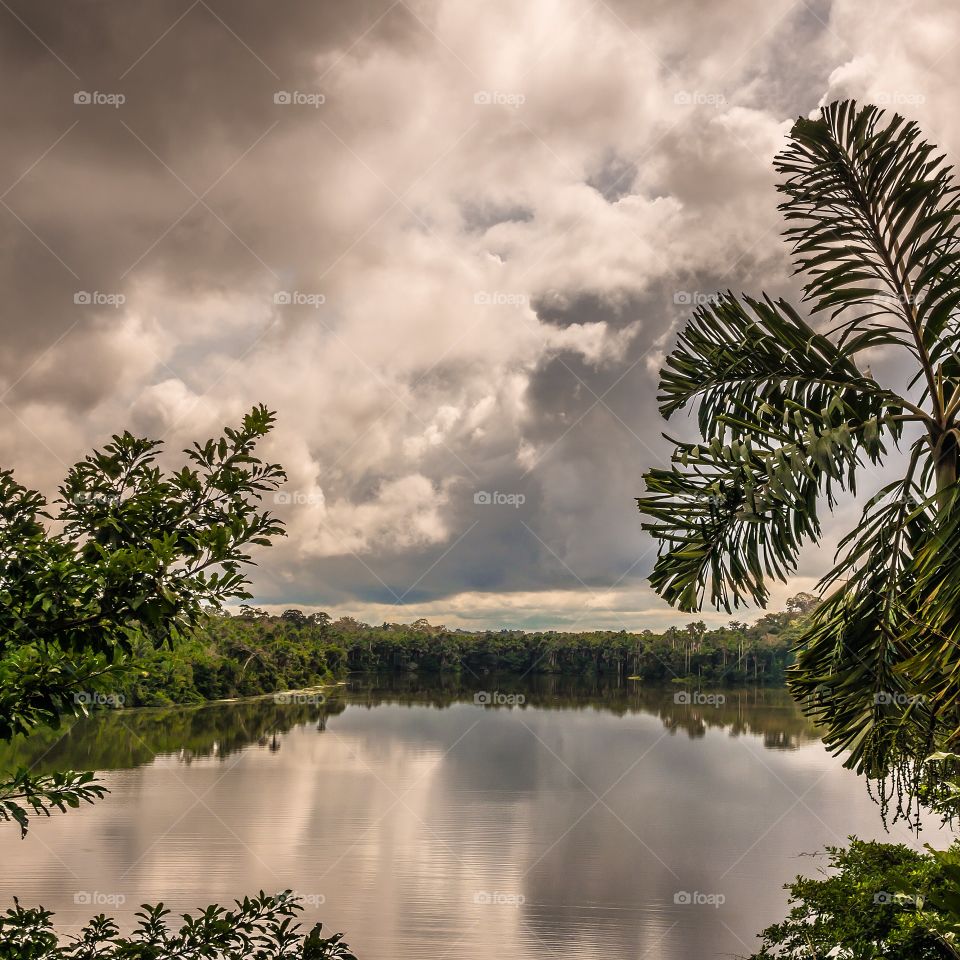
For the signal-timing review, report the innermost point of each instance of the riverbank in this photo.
(253, 654)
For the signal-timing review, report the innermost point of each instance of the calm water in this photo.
(425, 825)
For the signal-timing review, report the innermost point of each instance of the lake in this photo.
(553, 818)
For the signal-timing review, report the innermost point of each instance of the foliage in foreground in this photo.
(260, 928)
(882, 900)
(134, 564)
(790, 416)
(133, 561)
(24, 795)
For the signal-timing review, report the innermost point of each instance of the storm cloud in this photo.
(449, 243)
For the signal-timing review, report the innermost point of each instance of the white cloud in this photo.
(434, 228)
(402, 513)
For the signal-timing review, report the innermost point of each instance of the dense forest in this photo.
(251, 653)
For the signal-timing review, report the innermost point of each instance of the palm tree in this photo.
(790, 415)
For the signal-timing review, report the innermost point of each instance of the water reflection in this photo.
(425, 825)
(119, 739)
(765, 712)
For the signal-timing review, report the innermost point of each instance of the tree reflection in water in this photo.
(116, 739)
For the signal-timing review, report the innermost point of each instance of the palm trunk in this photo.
(945, 462)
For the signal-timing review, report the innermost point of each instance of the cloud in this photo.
(456, 273)
(402, 513)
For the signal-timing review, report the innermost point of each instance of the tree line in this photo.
(252, 652)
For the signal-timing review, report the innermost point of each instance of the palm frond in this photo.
(874, 216)
(789, 418)
(849, 674)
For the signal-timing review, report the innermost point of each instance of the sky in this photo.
(449, 243)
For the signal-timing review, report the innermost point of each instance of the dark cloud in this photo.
(456, 275)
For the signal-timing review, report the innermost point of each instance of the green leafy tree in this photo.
(259, 927)
(802, 603)
(880, 900)
(136, 554)
(136, 560)
(790, 415)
